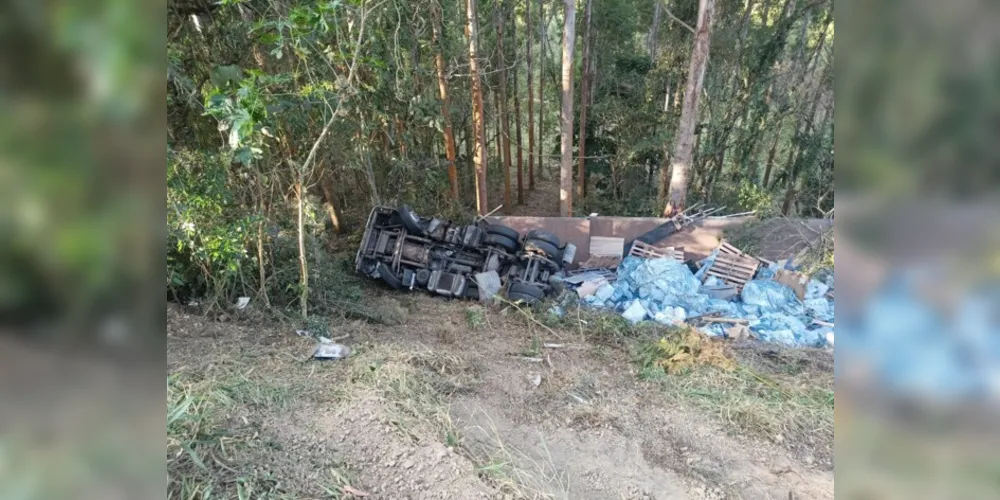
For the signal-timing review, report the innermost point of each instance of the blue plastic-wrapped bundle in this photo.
(779, 328)
(666, 291)
(772, 297)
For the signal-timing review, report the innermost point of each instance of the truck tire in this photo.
(410, 220)
(541, 234)
(386, 274)
(545, 248)
(525, 292)
(499, 240)
(503, 230)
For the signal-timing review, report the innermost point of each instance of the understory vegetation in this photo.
(288, 120)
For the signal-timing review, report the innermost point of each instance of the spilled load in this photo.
(407, 251)
(667, 291)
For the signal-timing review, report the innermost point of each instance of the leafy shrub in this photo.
(207, 233)
(753, 197)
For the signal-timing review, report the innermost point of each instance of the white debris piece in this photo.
(331, 351)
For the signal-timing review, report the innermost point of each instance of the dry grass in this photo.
(795, 412)
(214, 450)
(417, 386)
(510, 470)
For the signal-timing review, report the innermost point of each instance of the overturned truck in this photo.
(407, 251)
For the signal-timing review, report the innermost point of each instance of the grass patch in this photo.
(512, 471)
(756, 404)
(679, 350)
(205, 440)
(475, 316)
(534, 349)
(214, 451)
(702, 371)
(417, 386)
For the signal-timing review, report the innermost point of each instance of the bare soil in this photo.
(464, 402)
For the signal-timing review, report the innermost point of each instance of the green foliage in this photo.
(201, 443)
(752, 197)
(250, 95)
(475, 316)
(207, 233)
(679, 351)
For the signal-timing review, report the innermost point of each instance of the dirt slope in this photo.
(446, 405)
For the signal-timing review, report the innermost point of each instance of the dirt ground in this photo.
(463, 402)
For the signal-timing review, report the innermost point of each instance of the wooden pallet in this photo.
(733, 269)
(647, 251)
(728, 248)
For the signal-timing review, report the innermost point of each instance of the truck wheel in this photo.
(503, 230)
(499, 240)
(410, 220)
(525, 292)
(545, 248)
(386, 274)
(541, 234)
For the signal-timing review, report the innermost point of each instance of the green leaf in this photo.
(222, 76)
(243, 155)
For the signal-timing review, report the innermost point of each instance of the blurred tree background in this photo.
(287, 120)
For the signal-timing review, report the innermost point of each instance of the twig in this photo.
(351, 491)
(682, 23)
(532, 318)
(736, 321)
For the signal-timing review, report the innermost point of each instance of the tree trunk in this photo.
(303, 265)
(502, 109)
(479, 159)
(331, 208)
(449, 135)
(531, 98)
(654, 31)
(370, 175)
(786, 205)
(661, 191)
(770, 160)
(262, 206)
(592, 83)
(684, 145)
(666, 99)
(467, 182)
(581, 172)
(497, 135)
(517, 119)
(566, 116)
(543, 34)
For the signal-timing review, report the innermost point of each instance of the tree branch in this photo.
(676, 19)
